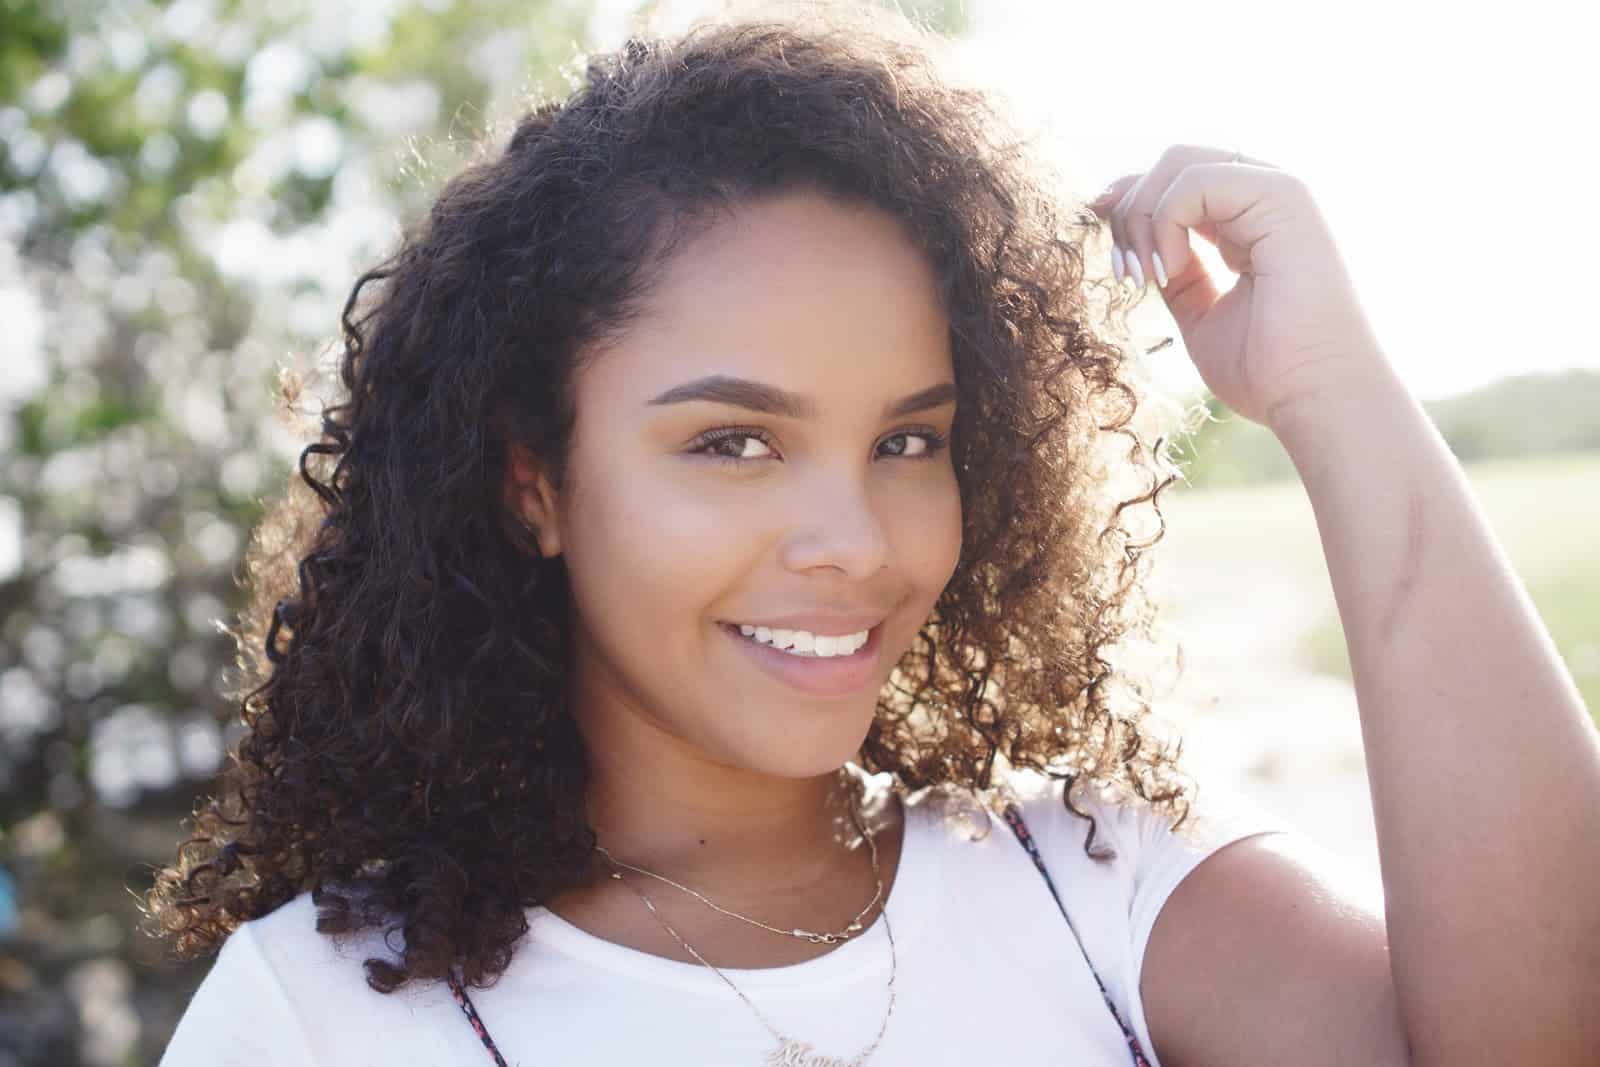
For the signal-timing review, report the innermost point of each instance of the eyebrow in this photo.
(771, 400)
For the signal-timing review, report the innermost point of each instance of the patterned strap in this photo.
(1013, 819)
(472, 1017)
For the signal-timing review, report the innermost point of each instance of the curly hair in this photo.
(409, 756)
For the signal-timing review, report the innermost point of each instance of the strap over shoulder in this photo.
(1013, 817)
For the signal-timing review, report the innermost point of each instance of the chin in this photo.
(795, 755)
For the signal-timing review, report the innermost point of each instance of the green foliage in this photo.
(29, 38)
(1529, 415)
(949, 17)
(1228, 449)
(132, 137)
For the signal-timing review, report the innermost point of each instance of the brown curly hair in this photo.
(408, 757)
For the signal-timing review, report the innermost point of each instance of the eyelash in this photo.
(935, 443)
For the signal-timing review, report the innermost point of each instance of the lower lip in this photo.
(817, 675)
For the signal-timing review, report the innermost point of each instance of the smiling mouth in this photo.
(734, 630)
(816, 676)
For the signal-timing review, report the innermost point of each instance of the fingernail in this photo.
(1136, 270)
(1161, 271)
(1116, 262)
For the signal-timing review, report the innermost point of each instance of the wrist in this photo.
(1340, 404)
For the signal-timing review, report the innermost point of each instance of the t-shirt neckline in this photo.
(909, 900)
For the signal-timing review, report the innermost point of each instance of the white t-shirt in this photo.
(989, 972)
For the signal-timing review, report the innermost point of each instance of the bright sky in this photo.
(1416, 125)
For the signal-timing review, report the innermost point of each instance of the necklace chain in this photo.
(789, 1053)
(854, 928)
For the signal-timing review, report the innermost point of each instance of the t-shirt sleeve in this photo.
(240, 1015)
(1218, 817)
(1163, 858)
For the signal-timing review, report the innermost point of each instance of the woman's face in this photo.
(763, 449)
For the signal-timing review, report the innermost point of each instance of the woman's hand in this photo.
(1291, 330)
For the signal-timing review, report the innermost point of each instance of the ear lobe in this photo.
(533, 500)
(544, 531)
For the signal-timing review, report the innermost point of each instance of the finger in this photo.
(1124, 218)
(1102, 204)
(1133, 217)
(1228, 204)
(1114, 225)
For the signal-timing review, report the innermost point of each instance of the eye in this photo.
(710, 444)
(932, 442)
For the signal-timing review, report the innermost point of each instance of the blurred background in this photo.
(188, 190)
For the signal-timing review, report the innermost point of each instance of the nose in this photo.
(835, 523)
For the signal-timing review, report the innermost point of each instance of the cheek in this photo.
(644, 546)
(925, 529)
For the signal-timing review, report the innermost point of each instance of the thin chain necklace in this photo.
(855, 927)
(790, 1052)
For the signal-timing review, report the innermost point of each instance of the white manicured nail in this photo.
(1161, 270)
(1116, 262)
(1136, 270)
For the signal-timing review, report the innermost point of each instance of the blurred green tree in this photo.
(187, 191)
(1553, 413)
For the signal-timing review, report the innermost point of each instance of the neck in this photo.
(725, 829)
(657, 803)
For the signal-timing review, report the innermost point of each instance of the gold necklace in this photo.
(846, 934)
(790, 1052)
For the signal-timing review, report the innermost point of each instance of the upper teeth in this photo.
(804, 641)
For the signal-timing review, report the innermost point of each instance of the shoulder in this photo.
(1122, 891)
(1112, 863)
(282, 991)
(1110, 854)
(1151, 847)
(1252, 943)
(325, 972)
(1109, 821)
(285, 951)
(246, 995)
(290, 944)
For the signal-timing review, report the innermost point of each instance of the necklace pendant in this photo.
(792, 1053)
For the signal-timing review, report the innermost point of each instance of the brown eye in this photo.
(932, 442)
(708, 444)
(743, 443)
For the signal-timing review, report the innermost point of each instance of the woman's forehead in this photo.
(791, 291)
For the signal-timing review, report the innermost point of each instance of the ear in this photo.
(532, 499)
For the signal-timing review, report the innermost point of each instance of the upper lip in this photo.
(825, 625)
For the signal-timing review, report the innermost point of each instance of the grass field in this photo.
(1542, 511)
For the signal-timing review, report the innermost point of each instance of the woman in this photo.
(697, 645)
